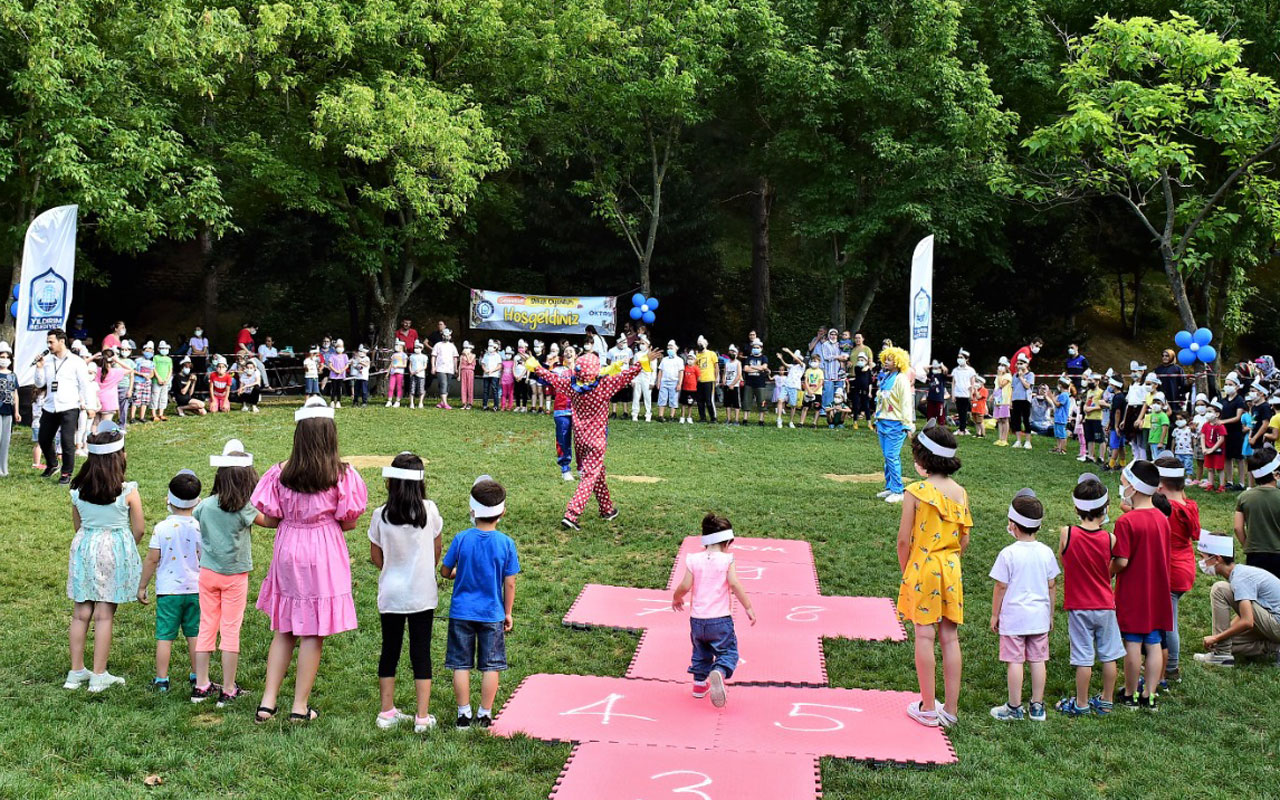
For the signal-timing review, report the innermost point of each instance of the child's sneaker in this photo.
(424, 724)
(893, 498)
(160, 684)
(76, 678)
(392, 718)
(610, 514)
(463, 723)
(199, 695)
(1147, 703)
(569, 524)
(929, 719)
(718, 694)
(1171, 676)
(1007, 713)
(1067, 705)
(1037, 712)
(226, 698)
(567, 476)
(1216, 660)
(700, 689)
(483, 721)
(945, 718)
(99, 683)
(1100, 707)
(1129, 701)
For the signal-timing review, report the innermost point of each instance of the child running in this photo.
(483, 564)
(932, 536)
(226, 520)
(1025, 573)
(1087, 596)
(404, 544)
(710, 577)
(173, 558)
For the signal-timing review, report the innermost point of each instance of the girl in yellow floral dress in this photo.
(932, 535)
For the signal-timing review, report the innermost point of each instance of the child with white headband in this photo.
(1141, 564)
(404, 544)
(1026, 574)
(173, 557)
(226, 520)
(482, 563)
(711, 576)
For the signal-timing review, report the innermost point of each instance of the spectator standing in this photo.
(407, 335)
(962, 390)
(1077, 364)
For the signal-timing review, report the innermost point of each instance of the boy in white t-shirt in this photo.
(173, 557)
(360, 366)
(444, 360)
(1022, 606)
(670, 371)
(795, 379)
(418, 376)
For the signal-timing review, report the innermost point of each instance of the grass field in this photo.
(1216, 734)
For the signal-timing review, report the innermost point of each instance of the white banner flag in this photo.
(920, 312)
(44, 291)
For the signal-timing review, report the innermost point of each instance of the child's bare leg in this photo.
(387, 693)
(81, 615)
(202, 670)
(462, 686)
(1014, 673)
(1038, 673)
(926, 666)
(422, 691)
(309, 650)
(278, 657)
(1109, 675)
(1154, 668)
(164, 650)
(488, 689)
(1083, 676)
(103, 618)
(230, 664)
(1132, 666)
(951, 664)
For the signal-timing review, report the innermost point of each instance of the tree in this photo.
(1163, 117)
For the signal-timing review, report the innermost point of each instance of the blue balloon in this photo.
(15, 291)
(1202, 336)
(1206, 353)
(635, 312)
(13, 309)
(1185, 357)
(652, 302)
(649, 317)
(1182, 338)
(637, 299)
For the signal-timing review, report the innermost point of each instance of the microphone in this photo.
(40, 356)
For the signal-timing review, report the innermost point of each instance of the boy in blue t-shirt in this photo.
(482, 563)
(1061, 414)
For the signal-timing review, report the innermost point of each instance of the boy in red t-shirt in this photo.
(1140, 562)
(688, 388)
(220, 389)
(1214, 435)
(1085, 550)
(1184, 531)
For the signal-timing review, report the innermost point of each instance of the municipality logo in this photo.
(484, 309)
(48, 293)
(921, 317)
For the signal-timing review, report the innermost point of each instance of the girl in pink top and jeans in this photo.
(711, 575)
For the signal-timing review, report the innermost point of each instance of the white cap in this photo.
(1134, 366)
(446, 333)
(702, 340)
(1232, 377)
(468, 346)
(1151, 378)
(963, 353)
(163, 344)
(1201, 398)
(4, 347)
(1004, 361)
(521, 343)
(1211, 544)
(150, 345)
(1023, 358)
(733, 348)
(227, 459)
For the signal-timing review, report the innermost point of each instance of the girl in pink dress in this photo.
(109, 377)
(311, 499)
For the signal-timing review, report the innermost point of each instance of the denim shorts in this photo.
(1153, 637)
(1059, 430)
(312, 386)
(476, 645)
(1095, 636)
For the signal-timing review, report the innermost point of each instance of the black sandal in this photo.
(310, 716)
(270, 714)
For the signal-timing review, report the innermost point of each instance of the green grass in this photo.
(1216, 730)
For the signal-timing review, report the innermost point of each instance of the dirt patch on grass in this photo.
(370, 462)
(866, 477)
(635, 478)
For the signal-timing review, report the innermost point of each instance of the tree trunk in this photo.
(353, 318)
(760, 258)
(10, 325)
(865, 305)
(215, 270)
(838, 306)
(1137, 302)
(1124, 321)
(1179, 288)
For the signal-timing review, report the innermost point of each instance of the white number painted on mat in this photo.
(750, 573)
(759, 549)
(608, 712)
(691, 788)
(804, 613)
(836, 724)
(663, 605)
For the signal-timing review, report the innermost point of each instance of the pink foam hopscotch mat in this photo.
(646, 735)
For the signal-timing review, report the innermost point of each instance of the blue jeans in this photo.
(490, 387)
(1171, 637)
(1187, 464)
(564, 439)
(715, 646)
(891, 433)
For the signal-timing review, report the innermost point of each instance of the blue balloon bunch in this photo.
(1195, 347)
(13, 306)
(642, 308)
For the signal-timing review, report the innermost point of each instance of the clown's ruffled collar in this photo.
(583, 388)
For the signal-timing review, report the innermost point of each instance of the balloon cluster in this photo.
(642, 308)
(1195, 347)
(13, 306)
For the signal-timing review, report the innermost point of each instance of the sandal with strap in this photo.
(270, 714)
(310, 716)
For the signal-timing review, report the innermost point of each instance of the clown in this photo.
(895, 416)
(589, 392)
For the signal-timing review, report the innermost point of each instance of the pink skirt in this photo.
(307, 590)
(1002, 412)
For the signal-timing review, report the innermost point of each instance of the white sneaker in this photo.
(567, 476)
(387, 720)
(779, 423)
(424, 724)
(791, 425)
(893, 498)
(256, 409)
(333, 404)
(337, 404)
(635, 417)
(648, 418)
(77, 678)
(1216, 660)
(388, 404)
(396, 404)
(1027, 446)
(718, 694)
(882, 495)
(98, 683)
(1082, 459)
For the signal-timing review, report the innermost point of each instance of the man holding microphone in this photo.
(63, 376)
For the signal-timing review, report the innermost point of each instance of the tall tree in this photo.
(1163, 117)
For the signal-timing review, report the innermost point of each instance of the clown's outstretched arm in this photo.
(558, 382)
(643, 362)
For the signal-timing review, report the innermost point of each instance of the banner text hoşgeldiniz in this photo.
(540, 313)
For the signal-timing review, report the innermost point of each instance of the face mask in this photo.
(164, 351)
(1205, 568)
(493, 349)
(755, 351)
(199, 332)
(1156, 407)
(342, 349)
(148, 353)
(671, 351)
(1228, 389)
(4, 363)
(1211, 415)
(960, 362)
(1182, 423)
(1137, 376)
(1035, 349)
(1013, 532)
(1252, 397)
(813, 365)
(1072, 351)
(1201, 409)
(186, 370)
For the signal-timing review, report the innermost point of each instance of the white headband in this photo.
(1137, 482)
(402, 474)
(481, 510)
(1093, 505)
(1172, 472)
(177, 502)
(1023, 520)
(1267, 468)
(231, 461)
(106, 448)
(935, 448)
(717, 537)
(312, 412)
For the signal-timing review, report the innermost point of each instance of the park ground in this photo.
(1215, 733)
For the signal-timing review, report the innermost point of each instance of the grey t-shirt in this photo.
(1258, 585)
(227, 546)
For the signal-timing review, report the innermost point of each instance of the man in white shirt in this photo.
(961, 383)
(65, 379)
(267, 350)
(444, 361)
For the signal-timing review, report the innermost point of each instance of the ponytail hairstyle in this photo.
(406, 500)
(713, 524)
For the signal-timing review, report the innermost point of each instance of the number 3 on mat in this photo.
(797, 713)
(691, 788)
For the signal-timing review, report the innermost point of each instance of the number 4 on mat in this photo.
(608, 713)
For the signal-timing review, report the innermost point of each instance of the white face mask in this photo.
(1072, 351)
(164, 351)
(1252, 397)
(4, 362)
(960, 362)
(1035, 349)
(341, 349)
(1205, 568)
(1201, 409)
(1013, 532)
(1229, 389)
(199, 332)
(1211, 415)
(1182, 423)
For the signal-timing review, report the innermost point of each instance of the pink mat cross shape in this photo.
(645, 736)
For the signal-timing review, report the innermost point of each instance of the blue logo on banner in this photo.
(484, 309)
(48, 299)
(921, 306)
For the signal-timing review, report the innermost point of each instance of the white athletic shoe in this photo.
(791, 425)
(635, 417)
(98, 683)
(256, 410)
(77, 678)
(394, 718)
(396, 404)
(718, 694)
(893, 498)
(1082, 459)
(1027, 446)
(567, 476)
(648, 418)
(388, 403)
(424, 724)
(883, 494)
(779, 423)
(337, 404)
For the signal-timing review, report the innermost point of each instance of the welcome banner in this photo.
(920, 312)
(541, 313)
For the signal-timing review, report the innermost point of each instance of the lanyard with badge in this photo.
(53, 384)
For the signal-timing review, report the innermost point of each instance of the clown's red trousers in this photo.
(591, 480)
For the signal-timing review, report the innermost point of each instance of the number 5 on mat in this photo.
(833, 723)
